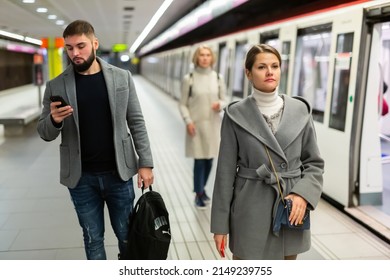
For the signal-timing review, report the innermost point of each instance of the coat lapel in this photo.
(246, 114)
(295, 116)
(70, 89)
(110, 84)
(294, 119)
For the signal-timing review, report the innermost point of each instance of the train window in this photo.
(285, 54)
(187, 63)
(273, 43)
(342, 69)
(182, 61)
(176, 74)
(311, 67)
(271, 38)
(238, 75)
(223, 62)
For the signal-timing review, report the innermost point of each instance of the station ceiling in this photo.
(115, 21)
(121, 21)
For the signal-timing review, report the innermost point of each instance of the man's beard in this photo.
(86, 64)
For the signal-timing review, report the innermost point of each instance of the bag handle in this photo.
(192, 81)
(276, 175)
(143, 188)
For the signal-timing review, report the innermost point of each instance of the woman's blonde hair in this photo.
(197, 53)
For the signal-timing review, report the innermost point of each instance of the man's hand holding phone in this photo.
(59, 109)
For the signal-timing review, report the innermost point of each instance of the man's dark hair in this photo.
(79, 27)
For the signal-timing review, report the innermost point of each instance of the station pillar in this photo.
(55, 49)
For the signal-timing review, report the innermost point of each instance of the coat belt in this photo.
(263, 173)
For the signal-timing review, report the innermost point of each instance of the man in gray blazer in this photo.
(104, 141)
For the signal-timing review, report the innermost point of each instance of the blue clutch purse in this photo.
(284, 209)
(283, 213)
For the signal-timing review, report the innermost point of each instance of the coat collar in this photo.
(246, 114)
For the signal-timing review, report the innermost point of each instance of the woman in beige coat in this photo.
(202, 98)
(246, 191)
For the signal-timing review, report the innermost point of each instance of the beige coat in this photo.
(206, 89)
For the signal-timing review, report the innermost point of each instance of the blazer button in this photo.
(283, 165)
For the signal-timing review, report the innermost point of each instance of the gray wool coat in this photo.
(131, 142)
(245, 191)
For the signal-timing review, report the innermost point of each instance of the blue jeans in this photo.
(202, 168)
(89, 197)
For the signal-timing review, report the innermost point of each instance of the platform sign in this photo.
(38, 75)
(38, 69)
(120, 47)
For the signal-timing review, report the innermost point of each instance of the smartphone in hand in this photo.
(57, 98)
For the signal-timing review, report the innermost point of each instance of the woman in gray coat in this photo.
(246, 192)
(202, 98)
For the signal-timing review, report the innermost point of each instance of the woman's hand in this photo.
(220, 242)
(191, 129)
(216, 106)
(298, 210)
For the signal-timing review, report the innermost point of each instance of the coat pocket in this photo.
(238, 187)
(130, 156)
(64, 161)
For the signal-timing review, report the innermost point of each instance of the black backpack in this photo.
(149, 229)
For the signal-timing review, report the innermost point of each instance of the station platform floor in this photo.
(38, 222)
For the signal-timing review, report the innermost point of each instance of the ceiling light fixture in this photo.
(33, 41)
(41, 10)
(150, 25)
(11, 35)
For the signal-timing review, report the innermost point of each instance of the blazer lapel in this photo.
(110, 84)
(70, 89)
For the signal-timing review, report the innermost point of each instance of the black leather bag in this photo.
(149, 229)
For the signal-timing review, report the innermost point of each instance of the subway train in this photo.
(339, 60)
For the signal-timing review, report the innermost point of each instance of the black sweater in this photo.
(95, 123)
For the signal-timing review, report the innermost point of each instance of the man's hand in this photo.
(59, 114)
(145, 175)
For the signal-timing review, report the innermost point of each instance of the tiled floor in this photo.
(37, 220)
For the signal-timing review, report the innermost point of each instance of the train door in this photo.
(177, 75)
(224, 64)
(187, 62)
(312, 67)
(319, 69)
(285, 54)
(271, 38)
(287, 38)
(241, 49)
(374, 187)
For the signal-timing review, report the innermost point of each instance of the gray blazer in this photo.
(245, 190)
(132, 148)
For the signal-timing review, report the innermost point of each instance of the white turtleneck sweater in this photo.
(271, 106)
